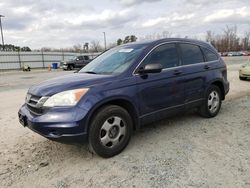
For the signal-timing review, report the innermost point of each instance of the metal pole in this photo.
(43, 59)
(105, 46)
(1, 29)
(19, 59)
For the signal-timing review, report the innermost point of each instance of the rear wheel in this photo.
(212, 102)
(110, 131)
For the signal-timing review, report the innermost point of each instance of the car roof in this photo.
(160, 41)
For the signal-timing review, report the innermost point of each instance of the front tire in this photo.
(110, 131)
(70, 67)
(212, 103)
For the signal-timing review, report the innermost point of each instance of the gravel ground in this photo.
(183, 151)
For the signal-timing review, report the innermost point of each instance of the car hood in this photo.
(68, 82)
(246, 68)
(69, 61)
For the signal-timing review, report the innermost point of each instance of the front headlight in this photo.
(66, 98)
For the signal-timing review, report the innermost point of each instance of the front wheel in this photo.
(212, 103)
(70, 67)
(110, 131)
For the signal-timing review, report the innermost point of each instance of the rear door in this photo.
(193, 67)
(161, 92)
(86, 60)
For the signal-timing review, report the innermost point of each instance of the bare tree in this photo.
(210, 36)
(231, 38)
(246, 41)
(46, 49)
(95, 46)
(77, 48)
(166, 34)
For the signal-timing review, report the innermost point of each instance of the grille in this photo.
(31, 102)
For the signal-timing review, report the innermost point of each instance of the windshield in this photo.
(115, 60)
(73, 58)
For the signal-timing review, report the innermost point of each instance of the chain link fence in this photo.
(17, 60)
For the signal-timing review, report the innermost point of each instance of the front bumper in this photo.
(60, 124)
(65, 67)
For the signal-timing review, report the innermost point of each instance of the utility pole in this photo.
(105, 42)
(1, 29)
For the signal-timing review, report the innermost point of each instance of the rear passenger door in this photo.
(193, 68)
(86, 60)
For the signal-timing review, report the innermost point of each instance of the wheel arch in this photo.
(122, 102)
(220, 85)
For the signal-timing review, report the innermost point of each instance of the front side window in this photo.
(191, 54)
(165, 54)
(80, 58)
(210, 56)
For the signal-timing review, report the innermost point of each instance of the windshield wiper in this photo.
(90, 72)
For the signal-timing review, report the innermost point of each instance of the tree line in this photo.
(229, 40)
(13, 48)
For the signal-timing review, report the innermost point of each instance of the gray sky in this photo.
(51, 23)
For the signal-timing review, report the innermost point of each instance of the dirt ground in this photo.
(183, 151)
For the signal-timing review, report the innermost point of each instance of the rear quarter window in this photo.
(191, 54)
(209, 55)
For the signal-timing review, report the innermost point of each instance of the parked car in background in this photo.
(125, 88)
(244, 72)
(76, 62)
(245, 53)
(224, 54)
(234, 54)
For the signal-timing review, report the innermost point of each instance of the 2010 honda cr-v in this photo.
(125, 88)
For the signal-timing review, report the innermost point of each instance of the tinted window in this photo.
(191, 54)
(80, 57)
(86, 57)
(165, 54)
(210, 56)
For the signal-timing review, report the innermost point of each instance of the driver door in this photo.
(161, 93)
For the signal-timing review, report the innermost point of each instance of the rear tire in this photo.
(212, 103)
(110, 131)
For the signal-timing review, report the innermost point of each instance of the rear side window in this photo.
(210, 56)
(86, 57)
(191, 54)
(165, 54)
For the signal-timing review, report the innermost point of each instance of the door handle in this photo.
(207, 67)
(177, 72)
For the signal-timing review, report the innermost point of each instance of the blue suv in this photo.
(124, 88)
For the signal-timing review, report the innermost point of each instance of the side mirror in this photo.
(151, 68)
